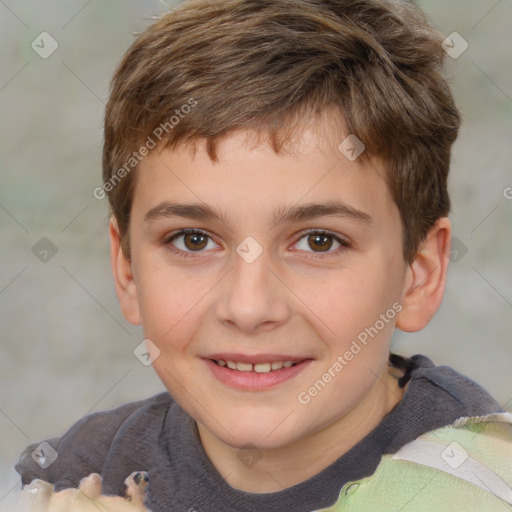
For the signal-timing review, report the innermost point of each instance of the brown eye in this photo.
(320, 242)
(317, 242)
(189, 241)
(195, 241)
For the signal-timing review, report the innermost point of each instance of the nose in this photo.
(254, 297)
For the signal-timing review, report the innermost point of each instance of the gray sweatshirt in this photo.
(156, 435)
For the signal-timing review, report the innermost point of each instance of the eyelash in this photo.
(345, 244)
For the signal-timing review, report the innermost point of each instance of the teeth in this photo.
(262, 367)
(244, 367)
(258, 368)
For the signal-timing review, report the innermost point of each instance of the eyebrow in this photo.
(198, 211)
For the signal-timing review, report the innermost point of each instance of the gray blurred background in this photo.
(65, 349)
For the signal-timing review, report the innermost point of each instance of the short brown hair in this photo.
(266, 65)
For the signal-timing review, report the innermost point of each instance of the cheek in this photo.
(168, 303)
(361, 307)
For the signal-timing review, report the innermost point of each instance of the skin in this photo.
(295, 298)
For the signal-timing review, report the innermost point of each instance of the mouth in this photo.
(257, 367)
(255, 372)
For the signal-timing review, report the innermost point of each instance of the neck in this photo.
(281, 468)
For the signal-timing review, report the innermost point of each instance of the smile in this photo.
(256, 376)
(258, 368)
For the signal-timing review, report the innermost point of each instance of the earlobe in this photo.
(123, 277)
(426, 279)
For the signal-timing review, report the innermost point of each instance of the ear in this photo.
(123, 277)
(426, 279)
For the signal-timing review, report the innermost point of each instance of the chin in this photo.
(267, 435)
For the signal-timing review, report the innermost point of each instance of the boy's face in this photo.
(305, 298)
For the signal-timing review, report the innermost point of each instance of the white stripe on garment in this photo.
(430, 453)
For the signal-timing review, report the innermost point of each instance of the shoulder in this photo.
(466, 465)
(82, 449)
(443, 386)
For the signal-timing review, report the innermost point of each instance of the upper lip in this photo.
(256, 358)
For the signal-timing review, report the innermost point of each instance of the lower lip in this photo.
(254, 381)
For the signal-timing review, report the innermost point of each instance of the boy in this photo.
(243, 140)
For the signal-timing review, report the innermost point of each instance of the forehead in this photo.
(251, 181)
